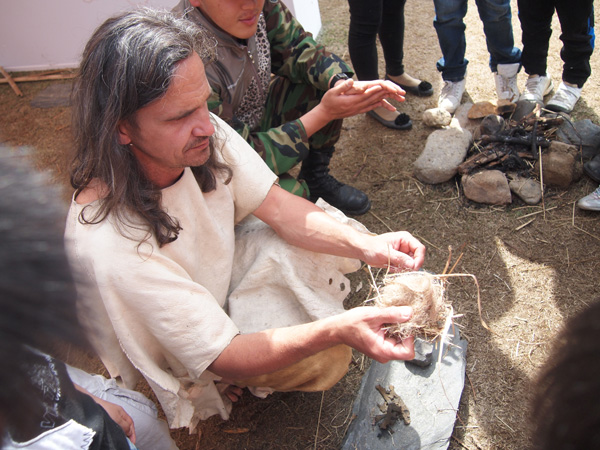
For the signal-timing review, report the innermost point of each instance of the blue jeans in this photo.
(450, 27)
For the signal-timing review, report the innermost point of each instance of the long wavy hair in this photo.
(128, 63)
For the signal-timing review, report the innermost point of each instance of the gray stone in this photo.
(492, 125)
(444, 151)
(437, 117)
(487, 186)
(527, 189)
(432, 395)
(423, 353)
(524, 107)
(582, 132)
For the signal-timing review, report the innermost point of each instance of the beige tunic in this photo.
(163, 312)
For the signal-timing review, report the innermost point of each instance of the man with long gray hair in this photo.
(185, 285)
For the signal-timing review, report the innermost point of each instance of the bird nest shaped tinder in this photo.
(426, 294)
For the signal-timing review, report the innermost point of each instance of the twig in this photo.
(377, 217)
(8, 79)
(319, 419)
(22, 79)
(537, 212)
(505, 424)
(542, 180)
(525, 224)
(459, 442)
(586, 232)
(459, 256)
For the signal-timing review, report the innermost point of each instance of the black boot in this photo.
(315, 171)
(592, 168)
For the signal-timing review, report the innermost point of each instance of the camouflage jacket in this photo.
(241, 74)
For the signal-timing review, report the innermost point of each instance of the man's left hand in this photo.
(397, 251)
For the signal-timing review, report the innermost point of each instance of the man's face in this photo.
(172, 132)
(239, 18)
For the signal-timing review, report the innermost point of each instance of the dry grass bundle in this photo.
(426, 294)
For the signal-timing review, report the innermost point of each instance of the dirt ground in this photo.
(536, 265)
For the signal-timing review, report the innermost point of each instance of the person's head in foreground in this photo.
(37, 298)
(566, 408)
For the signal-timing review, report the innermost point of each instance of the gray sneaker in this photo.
(451, 95)
(506, 82)
(590, 202)
(536, 88)
(564, 98)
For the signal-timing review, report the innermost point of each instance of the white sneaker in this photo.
(564, 98)
(536, 88)
(590, 202)
(451, 95)
(506, 82)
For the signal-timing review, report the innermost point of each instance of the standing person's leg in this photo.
(391, 36)
(450, 28)
(577, 27)
(365, 20)
(288, 101)
(536, 25)
(505, 58)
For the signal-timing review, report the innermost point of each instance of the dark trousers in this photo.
(577, 34)
(368, 19)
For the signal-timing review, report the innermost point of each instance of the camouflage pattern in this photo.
(302, 70)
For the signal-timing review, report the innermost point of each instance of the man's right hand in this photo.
(362, 328)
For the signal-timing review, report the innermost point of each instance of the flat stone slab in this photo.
(431, 394)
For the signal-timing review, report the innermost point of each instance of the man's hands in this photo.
(362, 329)
(397, 251)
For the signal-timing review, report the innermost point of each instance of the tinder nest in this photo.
(426, 294)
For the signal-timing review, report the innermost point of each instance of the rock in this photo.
(461, 118)
(423, 353)
(582, 132)
(437, 117)
(527, 189)
(505, 107)
(481, 109)
(444, 151)
(492, 125)
(560, 166)
(432, 395)
(524, 107)
(488, 186)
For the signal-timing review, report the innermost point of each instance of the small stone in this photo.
(488, 186)
(423, 353)
(492, 125)
(527, 189)
(524, 107)
(505, 107)
(481, 109)
(437, 117)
